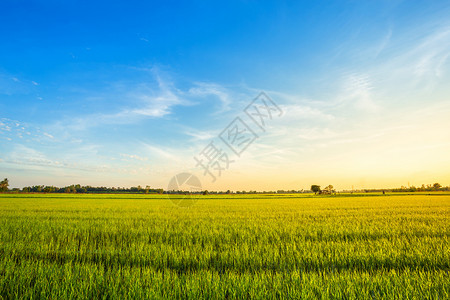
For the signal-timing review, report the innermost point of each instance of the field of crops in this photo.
(261, 246)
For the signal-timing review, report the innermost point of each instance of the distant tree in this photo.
(413, 189)
(436, 186)
(81, 190)
(329, 189)
(205, 192)
(315, 188)
(4, 185)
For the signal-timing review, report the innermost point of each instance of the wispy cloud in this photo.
(417, 60)
(431, 53)
(203, 89)
(133, 156)
(383, 43)
(48, 135)
(23, 155)
(198, 135)
(13, 129)
(144, 101)
(11, 84)
(357, 93)
(168, 155)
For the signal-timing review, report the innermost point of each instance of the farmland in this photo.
(233, 246)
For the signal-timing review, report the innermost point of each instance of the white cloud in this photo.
(14, 129)
(417, 61)
(133, 156)
(383, 43)
(357, 92)
(155, 107)
(212, 89)
(148, 102)
(171, 155)
(431, 53)
(199, 135)
(305, 112)
(22, 154)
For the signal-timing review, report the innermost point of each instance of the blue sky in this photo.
(126, 93)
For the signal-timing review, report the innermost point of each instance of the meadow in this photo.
(234, 246)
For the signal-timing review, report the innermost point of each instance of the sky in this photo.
(356, 94)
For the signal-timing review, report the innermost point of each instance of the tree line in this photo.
(77, 188)
(424, 188)
(316, 189)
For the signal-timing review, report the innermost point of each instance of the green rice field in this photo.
(234, 246)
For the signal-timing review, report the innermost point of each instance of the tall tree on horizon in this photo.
(315, 188)
(4, 184)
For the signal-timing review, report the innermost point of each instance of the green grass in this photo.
(259, 246)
